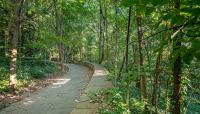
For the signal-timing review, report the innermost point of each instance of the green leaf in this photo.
(177, 20)
(128, 3)
(192, 52)
(190, 11)
(197, 55)
(149, 10)
(190, 2)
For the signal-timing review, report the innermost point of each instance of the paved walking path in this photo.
(97, 82)
(59, 98)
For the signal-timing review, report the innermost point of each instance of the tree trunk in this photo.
(59, 32)
(100, 31)
(16, 35)
(6, 35)
(127, 40)
(106, 33)
(126, 56)
(62, 48)
(155, 81)
(121, 68)
(116, 40)
(142, 77)
(101, 36)
(177, 69)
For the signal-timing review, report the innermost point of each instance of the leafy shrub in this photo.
(38, 68)
(112, 101)
(4, 84)
(49, 68)
(26, 70)
(3, 73)
(24, 74)
(137, 106)
(4, 70)
(37, 72)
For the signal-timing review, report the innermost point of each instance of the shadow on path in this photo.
(58, 98)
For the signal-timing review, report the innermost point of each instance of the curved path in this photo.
(58, 98)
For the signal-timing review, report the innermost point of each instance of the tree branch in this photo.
(180, 26)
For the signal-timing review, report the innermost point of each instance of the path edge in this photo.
(97, 82)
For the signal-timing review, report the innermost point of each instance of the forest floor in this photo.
(58, 98)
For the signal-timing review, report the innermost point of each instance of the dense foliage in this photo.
(150, 47)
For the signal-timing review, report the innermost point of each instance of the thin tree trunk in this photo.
(177, 69)
(121, 68)
(102, 36)
(127, 40)
(116, 39)
(16, 35)
(62, 48)
(155, 81)
(6, 35)
(100, 30)
(106, 33)
(142, 77)
(59, 32)
(126, 56)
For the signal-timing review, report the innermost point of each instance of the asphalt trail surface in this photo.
(59, 98)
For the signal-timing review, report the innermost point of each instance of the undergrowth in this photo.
(27, 70)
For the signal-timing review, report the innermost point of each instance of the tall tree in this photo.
(101, 33)
(59, 30)
(126, 54)
(156, 81)
(177, 67)
(116, 38)
(105, 19)
(16, 34)
(141, 60)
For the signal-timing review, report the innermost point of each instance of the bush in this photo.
(38, 68)
(4, 85)
(112, 101)
(26, 70)
(49, 68)
(37, 72)
(4, 70)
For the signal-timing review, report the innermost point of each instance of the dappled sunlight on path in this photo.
(58, 98)
(99, 73)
